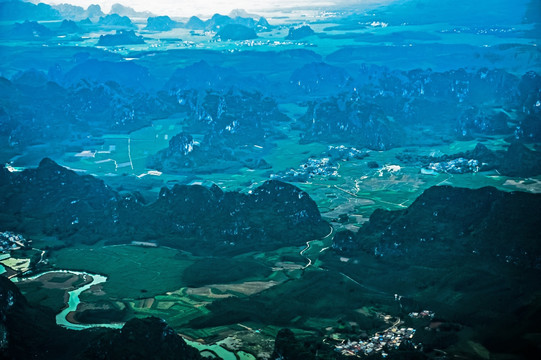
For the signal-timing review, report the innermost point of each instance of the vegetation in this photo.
(208, 271)
(164, 158)
(151, 271)
(331, 294)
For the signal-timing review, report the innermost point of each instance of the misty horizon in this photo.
(208, 8)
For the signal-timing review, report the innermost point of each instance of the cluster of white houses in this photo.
(10, 241)
(379, 343)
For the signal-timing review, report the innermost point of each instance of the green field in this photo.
(126, 154)
(154, 281)
(132, 271)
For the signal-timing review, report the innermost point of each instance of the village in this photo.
(10, 241)
(379, 343)
(391, 338)
(14, 256)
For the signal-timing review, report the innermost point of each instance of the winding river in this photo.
(74, 300)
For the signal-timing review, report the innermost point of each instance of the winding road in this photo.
(303, 251)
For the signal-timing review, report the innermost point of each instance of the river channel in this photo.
(74, 300)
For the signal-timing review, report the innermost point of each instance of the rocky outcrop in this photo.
(288, 347)
(29, 30)
(128, 11)
(516, 161)
(148, 338)
(28, 332)
(230, 128)
(519, 161)
(69, 27)
(349, 120)
(320, 78)
(474, 121)
(182, 153)
(219, 22)
(115, 20)
(461, 101)
(528, 129)
(56, 201)
(161, 23)
(22, 10)
(273, 215)
(126, 73)
(78, 13)
(236, 32)
(471, 255)
(203, 76)
(93, 97)
(263, 25)
(446, 222)
(299, 32)
(195, 23)
(122, 37)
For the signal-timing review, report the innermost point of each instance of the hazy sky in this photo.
(209, 7)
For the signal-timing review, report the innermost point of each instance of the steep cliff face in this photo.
(122, 37)
(288, 347)
(320, 78)
(380, 108)
(300, 32)
(56, 201)
(273, 215)
(446, 221)
(349, 119)
(471, 255)
(149, 338)
(31, 333)
(236, 32)
(11, 302)
(516, 161)
(161, 23)
(202, 76)
(93, 97)
(232, 124)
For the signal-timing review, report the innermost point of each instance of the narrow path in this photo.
(129, 152)
(383, 294)
(42, 255)
(346, 191)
